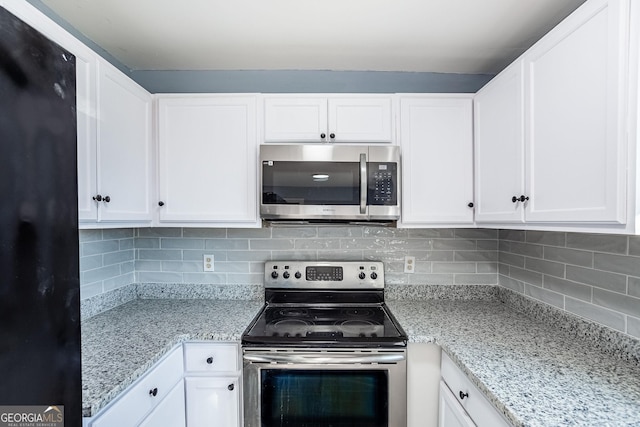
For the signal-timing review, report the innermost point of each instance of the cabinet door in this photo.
(208, 160)
(437, 160)
(295, 119)
(576, 148)
(124, 147)
(213, 402)
(451, 412)
(86, 116)
(170, 412)
(366, 119)
(499, 148)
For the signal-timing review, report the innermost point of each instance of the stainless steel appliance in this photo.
(329, 182)
(324, 350)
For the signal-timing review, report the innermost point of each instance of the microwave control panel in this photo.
(383, 188)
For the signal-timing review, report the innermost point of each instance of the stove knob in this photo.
(362, 276)
(298, 275)
(285, 274)
(374, 275)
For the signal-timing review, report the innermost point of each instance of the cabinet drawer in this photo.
(144, 395)
(211, 357)
(477, 406)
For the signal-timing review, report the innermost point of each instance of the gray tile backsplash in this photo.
(594, 276)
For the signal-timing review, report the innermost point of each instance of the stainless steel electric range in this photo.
(324, 350)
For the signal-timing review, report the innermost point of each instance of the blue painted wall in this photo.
(284, 81)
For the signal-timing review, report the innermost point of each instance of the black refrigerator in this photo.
(39, 272)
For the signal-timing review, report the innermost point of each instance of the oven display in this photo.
(320, 398)
(324, 274)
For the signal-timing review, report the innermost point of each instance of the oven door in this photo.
(319, 388)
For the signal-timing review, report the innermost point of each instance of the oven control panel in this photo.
(324, 274)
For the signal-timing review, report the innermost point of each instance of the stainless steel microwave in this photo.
(330, 182)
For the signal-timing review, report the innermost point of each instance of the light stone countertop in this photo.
(534, 373)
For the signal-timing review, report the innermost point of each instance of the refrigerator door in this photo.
(39, 279)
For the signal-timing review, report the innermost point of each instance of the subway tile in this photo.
(297, 255)
(430, 279)
(362, 244)
(439, 255)
(204, 233)
(431, 233)
(148, 265)
(101, 273)
(159, 232)
(425, 267)
(634, 245)
(89, 235)
(118, 282)
(158, 277)
(600, 279)
(549, 238)
(504, 246)
(634, 286)
(461, 256)
(408, 244)
(475, 279)
(99, 247)
(509, 283)
(126, 244)
(248, 256)
(569, 256)
(317, 244)
(198, 255)
(503, 269)
(487, 267)
(545, 267)
(596, 313)
(633, 327)
(384, 232)
(90, 262)
(160, 254)
(233, 267)
(275, 244)
(511, 259)
(515, 235)
(294, 232)
(90, 290)
(454, 244)
(208, 277)
(128, 267)
(147, 242)
(598, 242)
(117, 233)
(230, 244)
(566, 287)
(183, 266)
(617, 264)
(526, 276)
(245, 278)
(171, 243)
(618, 302)
(452, 267)
(526, 249)
(487, 245)
(340, 232)
(118, 257)
(340, 254)
(475, 233)
(544, 295)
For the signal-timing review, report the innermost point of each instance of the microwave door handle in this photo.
(363, 183)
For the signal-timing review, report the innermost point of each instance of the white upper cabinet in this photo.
(575, 93)
(436, 140)
(551, 143)
(124, 151)
(499, 148)
(207, 170)
(351, 118)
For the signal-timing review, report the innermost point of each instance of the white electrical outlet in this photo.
(409, 264)
(207, 263)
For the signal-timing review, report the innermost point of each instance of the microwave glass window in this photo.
(320, 398)
(311, 183)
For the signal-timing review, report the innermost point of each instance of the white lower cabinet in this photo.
(149, 394)
(461, 403)
(170, 412)
(213, 385)
(213, 401)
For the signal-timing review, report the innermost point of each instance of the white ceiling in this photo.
(450, 36)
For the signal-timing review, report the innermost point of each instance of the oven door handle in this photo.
(363, 183)
(308, 358)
